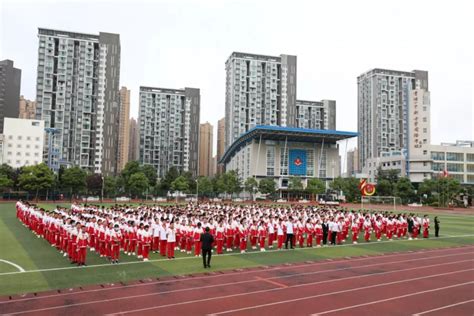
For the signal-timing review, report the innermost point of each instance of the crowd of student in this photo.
(137, 231)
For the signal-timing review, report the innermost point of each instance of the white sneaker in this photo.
(146, 259)
(262, 249)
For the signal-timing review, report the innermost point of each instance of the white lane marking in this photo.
(444, 250)
(229, 254)
(218, 285)
(443, 307)
(332, 293)
(394, 298)
(21, 270)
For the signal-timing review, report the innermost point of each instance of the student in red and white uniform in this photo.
(163, 238)
(280, 235)
(81, 249)
(197, 239)
(132, 234)
(378, 228)
(318, 233)
(155, 246)
(146, 237)
(253, 235)
(171, 240)
(300, 229)
(91, 231)
(140, 236)
(389, 227)
(355, 232)
(271, 232)
(116, 239)
(229, 236)
(367, 228)
(244, 233)
(189, 239)
(220, 237)
(184, 237)
(309, 230)
(262, 235)
(426, 226)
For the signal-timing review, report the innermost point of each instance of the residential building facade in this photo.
(124, 129)
(134, 137)
(169, 129)
(393, 115)
(220, 145)
(27, 109)
(260, 90)
(316, 114)
(352, 159)
(205, 149)
(23, 141)
(10, 83)
(77, 95)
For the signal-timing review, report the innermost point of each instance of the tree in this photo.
(251, 186)
(150, 173)
(315, 186)
(348, 186)
(391, 175)
(36, 178)
(170, 176)
(267, 186)
(5, 183)
(230, 182)
(447, 189)
(404, 190)
(137, 184)
(426, 190)
(338, 184)
(110, 186)
(74, 178)
(190, 180)
(94, 183)
(384, 187)
(295, 184)
(204, 186)
(180, 184)
(130, 168)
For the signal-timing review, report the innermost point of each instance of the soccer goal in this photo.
(393, 201)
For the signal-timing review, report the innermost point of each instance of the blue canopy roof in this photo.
(291, 134)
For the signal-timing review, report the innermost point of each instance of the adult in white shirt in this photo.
(289, 233)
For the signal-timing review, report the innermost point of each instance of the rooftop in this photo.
(292, 134)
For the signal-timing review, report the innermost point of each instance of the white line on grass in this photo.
(228, 254)
(13, 264)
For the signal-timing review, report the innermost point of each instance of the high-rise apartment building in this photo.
(27, 109)
(260, 90)
(124, 129)
(205, 149)
(134, 137)
(10, 83)
(78, 98)
(352, 162)
(316, 114)
(393, 115)
(220, 144)
(169, 128)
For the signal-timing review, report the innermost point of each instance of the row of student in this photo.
(137, 231)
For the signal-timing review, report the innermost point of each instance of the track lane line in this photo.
(271, 278)
(442, 307)
(277, 268)
(393, 298)
(312, 296)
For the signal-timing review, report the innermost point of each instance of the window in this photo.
(425, 152)
(470, 157)
(470, 167)
(438, 166)
(19, 137)
(459, 177)
(437, 155)
(454, 156)
(455, 167)
(284, 161)
(270, 161)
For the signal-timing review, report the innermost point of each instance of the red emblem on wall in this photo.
(298, 162)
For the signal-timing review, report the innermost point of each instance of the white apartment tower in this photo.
(260, 90)
(78, 98)
(316, 114)
(169, 129)
(393, 116)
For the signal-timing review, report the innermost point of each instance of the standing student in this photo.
(171, 240)
(289, 232)
(436, 221)
(206, 241)
(335, 230)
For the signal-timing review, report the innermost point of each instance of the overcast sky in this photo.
(176, 44)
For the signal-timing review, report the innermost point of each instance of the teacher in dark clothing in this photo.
(436, 220)
(325, 232)
(206, 241)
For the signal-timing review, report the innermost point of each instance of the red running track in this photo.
(431, 282)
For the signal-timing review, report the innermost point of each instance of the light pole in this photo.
(102, 189)
(197, 190)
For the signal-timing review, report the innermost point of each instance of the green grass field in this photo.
(46, 269)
